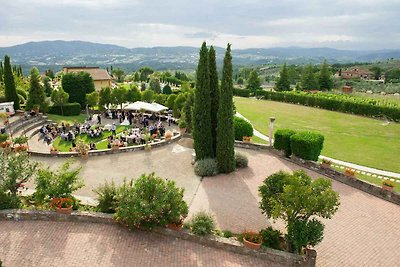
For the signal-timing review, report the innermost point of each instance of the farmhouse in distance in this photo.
(100, 77)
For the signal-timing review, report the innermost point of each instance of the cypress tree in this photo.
(214, 94)
(36, 95)
(202, 108)
(188, 112)
(325, 77)
(225, 131)
(9, 83)
(283, 83)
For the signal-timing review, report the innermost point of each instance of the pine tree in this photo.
(325, 77)
(37, 96)
(214, 95)
(225, 132)
(202, 109)
(308, 79)
(283, 83)
(9, 83)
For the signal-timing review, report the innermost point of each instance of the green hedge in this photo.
(241, 92)
(69, 109)
(282, 140)
(307, 145)
(242, 128)
(337, 102)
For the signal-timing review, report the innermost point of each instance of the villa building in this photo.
(100, 77)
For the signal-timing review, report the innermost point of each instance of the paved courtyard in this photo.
(68, 244)
(364, 232)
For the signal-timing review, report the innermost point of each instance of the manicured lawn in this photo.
(101, 141)
(350, 138)
(70, 119)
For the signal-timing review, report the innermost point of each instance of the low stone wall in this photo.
(281, 257)
(102, 152)
(372, 189)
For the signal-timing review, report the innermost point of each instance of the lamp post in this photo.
(271, 129)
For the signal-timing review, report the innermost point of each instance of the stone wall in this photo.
(280, 257)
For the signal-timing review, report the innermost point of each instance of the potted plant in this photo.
(82, 149)
(168, 135)
(3, 141)
(252, 240)
(62, 205)
(326, 163)
(182, 126)
(246, 139)
(349, 172)
(53, 150)
(20, 143)
(387, 185)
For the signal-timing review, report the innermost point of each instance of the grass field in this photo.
(349, 138)
(70, 119)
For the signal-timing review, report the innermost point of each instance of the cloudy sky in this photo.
(344, 24)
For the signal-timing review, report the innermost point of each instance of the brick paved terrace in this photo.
(39, 243)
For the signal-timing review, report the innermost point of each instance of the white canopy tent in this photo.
(139, 105)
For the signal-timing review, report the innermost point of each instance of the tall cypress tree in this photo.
(225, 131)
(9, 83)
(202, 108)
(214, 94)
(37, 96)
(283, 83)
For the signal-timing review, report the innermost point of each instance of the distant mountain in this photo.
(55, 54)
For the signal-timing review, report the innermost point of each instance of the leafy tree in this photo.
(178, 104)
(185, 87)
(214, 96)
(105, 97)
(92, 99)
(225, 134)
(136, 77)
(296, 198)
(49, 73)
(308, 79)
(167, 90)
(325, 77)
(155, 85)
(133, 94)
(9, 83)
(119, 73)
(37, 96)
(148, 95)
(118, 95)
(253, 83)
(145, 72)
(47, 87)
(188, 111)
(77, 85)
(160, 99)
(393, 75)
(142, 86)
(377, 72)
(59, 98)
(283, 83)
(202, 108)
(240, 81)
(171, 101)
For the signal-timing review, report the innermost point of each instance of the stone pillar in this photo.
(271, 129)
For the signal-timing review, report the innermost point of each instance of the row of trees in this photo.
(213, 110)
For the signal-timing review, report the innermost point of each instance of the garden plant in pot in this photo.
(182, 126)
(252, 240)
(4, 141)
(83, 149)
(168, 135)
(326, 163)
(62, 205)
(20, 143)
(387, 185)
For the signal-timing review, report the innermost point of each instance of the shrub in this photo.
(22, 93)
(107, 198)
(242, 128)
(271, 238)
(150, 201)
(241, 160)
(241, 92)
(227, 234)
(69, 109)
(20, 140)
(3, 137)
(302, 233)
(307, 145)
(206, 167)
(57, 184)
(9, 201)
(182, 124)
(202, 224)
(282, 140)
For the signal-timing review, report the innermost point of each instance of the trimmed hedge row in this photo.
(336, 102)
(305, 145)
(69, 109)
(242, 128)
(241, 92)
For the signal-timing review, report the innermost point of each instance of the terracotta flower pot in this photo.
(326, 165)
(182, 130)
(251, 245)
(64, 210)
(388, 188)
(175, 226)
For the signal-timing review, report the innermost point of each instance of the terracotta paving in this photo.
(364, 232)
(38, 243)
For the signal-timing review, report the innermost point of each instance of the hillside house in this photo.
(100, 77)
(356, 73)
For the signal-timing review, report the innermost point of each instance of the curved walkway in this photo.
(39, 243)
(364, 232)
(343, 163)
